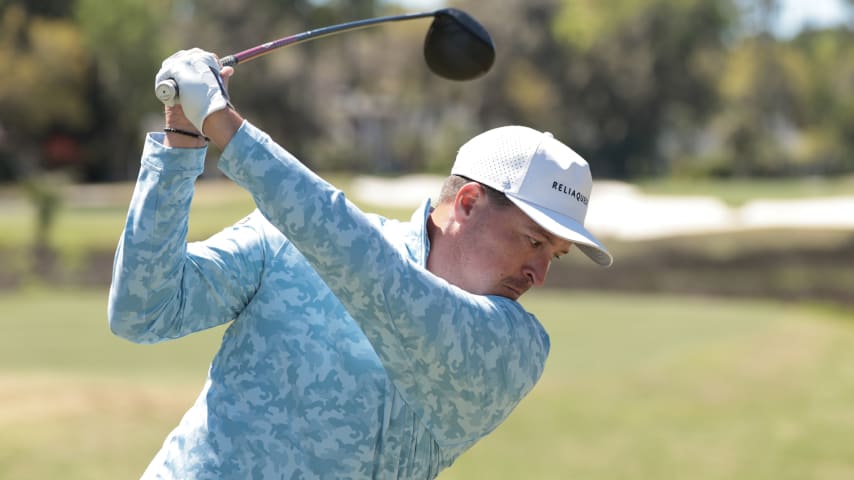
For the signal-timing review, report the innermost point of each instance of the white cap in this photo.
(546, 179)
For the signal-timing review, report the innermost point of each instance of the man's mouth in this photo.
(517, 288)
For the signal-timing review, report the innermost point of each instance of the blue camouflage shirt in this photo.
(344, 358)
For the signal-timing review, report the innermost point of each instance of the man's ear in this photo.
(467, 197)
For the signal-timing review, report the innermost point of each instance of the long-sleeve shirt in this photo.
(344, 357)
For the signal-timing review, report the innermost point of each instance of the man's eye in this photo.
(534, 242)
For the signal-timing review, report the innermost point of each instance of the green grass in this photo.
(65, 332)
(636, 387)
(656, 387)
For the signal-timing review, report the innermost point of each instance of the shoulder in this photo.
(526, 338)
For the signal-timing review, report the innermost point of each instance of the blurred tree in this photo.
(821, 66)
(639, 87)
(41, 8)
(42, 93)
(45, 193)
(42, 108)
(636, 71)
(786, 105)
(611, 79)
(125, 39)
(648, 69)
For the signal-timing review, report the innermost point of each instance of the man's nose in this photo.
(536, 269)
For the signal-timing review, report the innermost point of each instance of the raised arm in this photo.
(163, 288)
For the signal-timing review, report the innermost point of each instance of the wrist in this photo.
(185, 138)
(180, 133)
(175, 140)
(221, 125)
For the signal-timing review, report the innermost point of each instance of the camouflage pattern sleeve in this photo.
(163, 288)
(462, 361)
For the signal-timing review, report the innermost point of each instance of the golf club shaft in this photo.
(259, 50)
(168, 89)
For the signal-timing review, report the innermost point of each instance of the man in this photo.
(359, 347)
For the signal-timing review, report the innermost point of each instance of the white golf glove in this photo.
(200, 88)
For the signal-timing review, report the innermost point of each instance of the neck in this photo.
(439, 235)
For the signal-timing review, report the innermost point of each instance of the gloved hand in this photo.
(201, 91)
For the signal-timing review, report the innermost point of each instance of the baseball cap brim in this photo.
(566, 228)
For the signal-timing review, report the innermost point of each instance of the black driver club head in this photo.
(457, 47)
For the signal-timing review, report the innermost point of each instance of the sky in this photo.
(794, 15)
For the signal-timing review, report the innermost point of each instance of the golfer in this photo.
(358, 346)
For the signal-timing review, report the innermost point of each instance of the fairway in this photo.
(636, 387)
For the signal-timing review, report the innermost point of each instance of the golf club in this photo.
(456, 46)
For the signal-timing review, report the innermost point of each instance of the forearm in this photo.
(221, 126)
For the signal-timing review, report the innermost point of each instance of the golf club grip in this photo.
(166, 90)
(229, 61)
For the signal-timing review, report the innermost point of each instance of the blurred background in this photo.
(720, 133)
